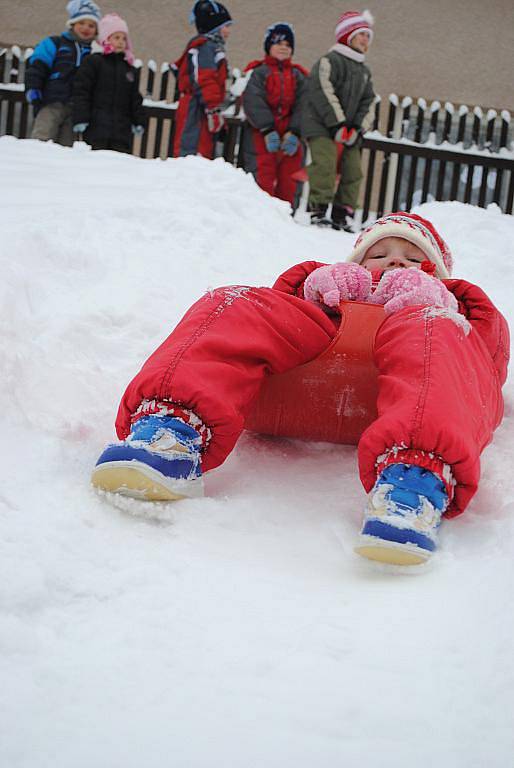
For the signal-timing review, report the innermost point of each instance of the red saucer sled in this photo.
(333, 397)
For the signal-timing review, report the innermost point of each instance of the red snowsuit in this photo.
(439, 388)
(201, 74)
(272, 100)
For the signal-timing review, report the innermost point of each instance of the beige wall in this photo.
(452, 50)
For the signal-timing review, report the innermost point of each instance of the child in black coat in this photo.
(107, 105)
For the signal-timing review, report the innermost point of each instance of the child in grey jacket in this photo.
(338, 110)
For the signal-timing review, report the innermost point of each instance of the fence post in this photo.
(447, 127)
(461, 130)
(504, 133)
(434, 109)
(399, 159)
(371, 166)
(394, 162)
(3, 57)
(391, 121)
(420, 119)
(490, 121)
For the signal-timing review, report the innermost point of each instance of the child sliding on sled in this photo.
(441, 353)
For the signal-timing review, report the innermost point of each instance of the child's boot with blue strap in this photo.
(159, 461)
(403, 515)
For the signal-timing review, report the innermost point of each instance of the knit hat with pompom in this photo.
(79, 10)
(277, 33)
(109, 24)
(351, 23)
(413, 228)
(209, 16)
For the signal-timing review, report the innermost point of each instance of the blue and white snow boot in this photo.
(159, 461)
(402, 516)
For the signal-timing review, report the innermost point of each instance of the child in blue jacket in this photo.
(51, 72)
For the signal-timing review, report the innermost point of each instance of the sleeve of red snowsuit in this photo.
(292, 280)
(440, 375)
(439, 385)
(215, 360)
(201, 80)
(440, 392)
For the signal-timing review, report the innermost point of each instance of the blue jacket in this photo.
(53, 65)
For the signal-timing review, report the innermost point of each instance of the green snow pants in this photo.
(323, 171)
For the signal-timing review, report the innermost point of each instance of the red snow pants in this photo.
(274, 171)
(439, 391)
(192, 136)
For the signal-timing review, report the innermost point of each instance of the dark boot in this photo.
(318, 212)
(342, 217)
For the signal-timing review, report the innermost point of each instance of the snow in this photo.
(239, 629)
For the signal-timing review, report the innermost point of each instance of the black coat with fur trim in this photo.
(105, 95)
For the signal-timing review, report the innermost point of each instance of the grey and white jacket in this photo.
(339, 90)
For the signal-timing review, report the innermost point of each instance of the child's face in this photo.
(118, 40)
(225, 31)
(281, 50)
(85, 30)
(360, 42)
(393, 253)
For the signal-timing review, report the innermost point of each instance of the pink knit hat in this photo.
(107, 26)
(351, 23)
(410, 227)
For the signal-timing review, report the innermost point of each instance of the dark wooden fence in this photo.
(415, 153)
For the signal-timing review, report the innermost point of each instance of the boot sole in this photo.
(390, 552)
(139, 481)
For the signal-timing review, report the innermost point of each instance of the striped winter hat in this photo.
(410, 227)
(351, 23)
(80, 10)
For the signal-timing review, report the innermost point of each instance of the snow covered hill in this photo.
(239, 629)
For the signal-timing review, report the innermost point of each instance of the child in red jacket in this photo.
(441, 354)
(272, 102)
(201, 74)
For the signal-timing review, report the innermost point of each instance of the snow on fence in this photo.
(415, 152)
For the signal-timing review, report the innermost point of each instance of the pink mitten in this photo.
(399, 288)
(330, 285)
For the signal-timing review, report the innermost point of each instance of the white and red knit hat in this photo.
(410, 227)
(351, 23)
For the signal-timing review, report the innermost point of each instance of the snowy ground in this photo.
(239, 629)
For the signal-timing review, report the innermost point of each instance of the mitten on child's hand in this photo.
(337, 282)
(352, 136)
(272, 141)
(339, 133)
(399, 288)
(290, 144)
(137, 130)
(80, 127)
(215, 120)
(33, 95)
